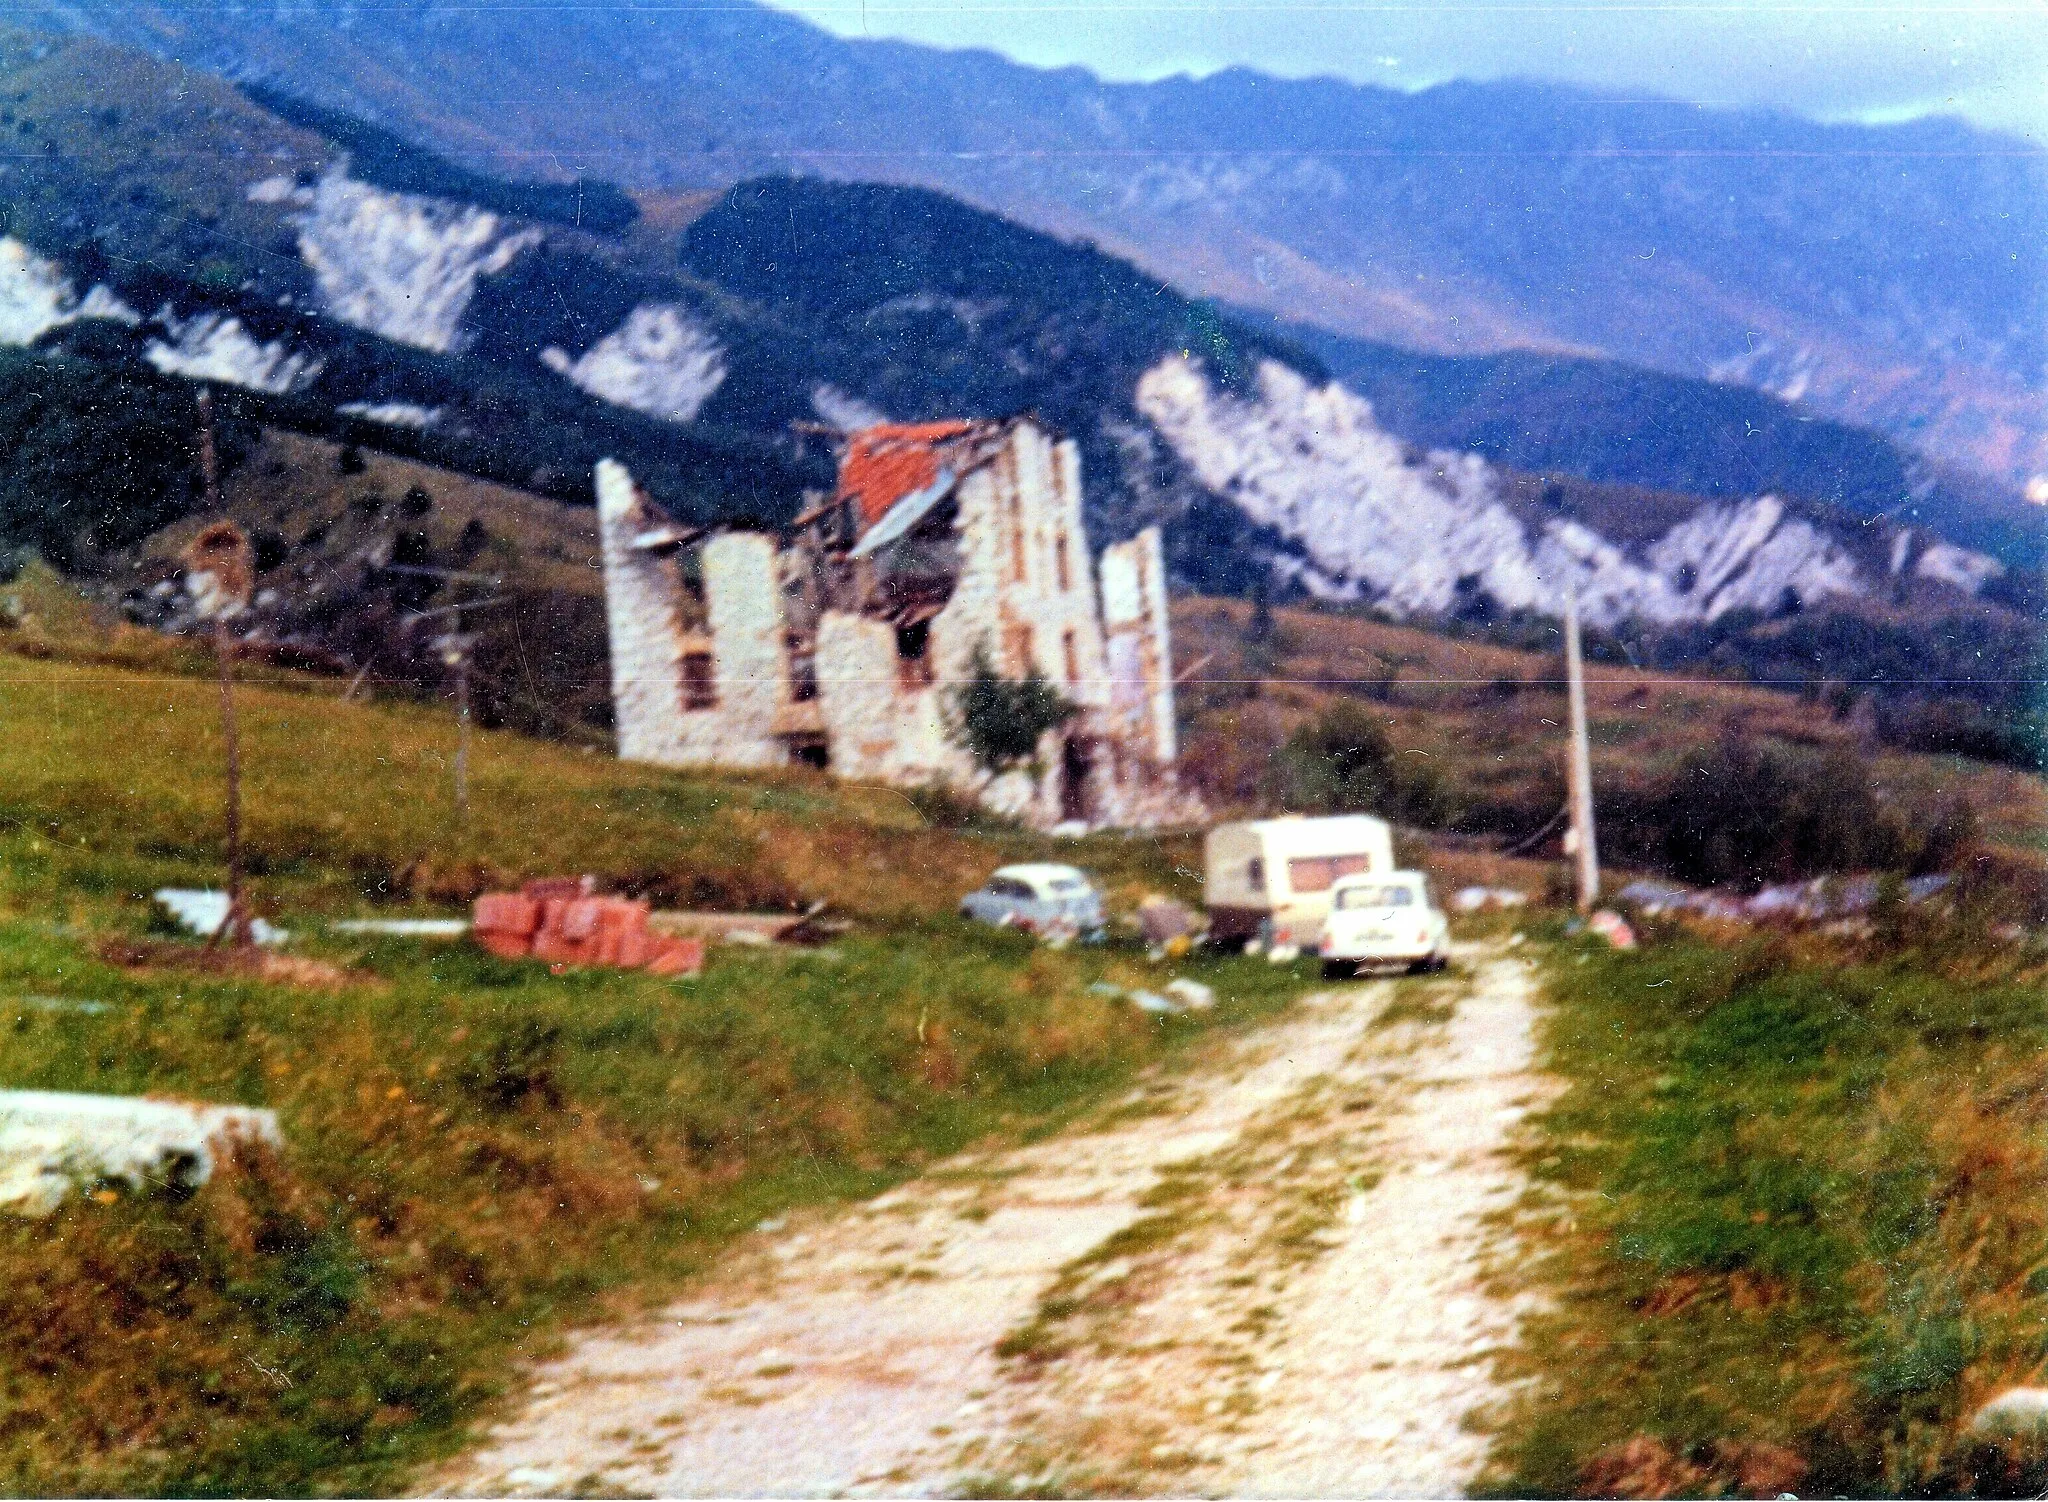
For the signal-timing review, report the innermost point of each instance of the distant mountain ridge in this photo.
(189, 232)
(1892, 276)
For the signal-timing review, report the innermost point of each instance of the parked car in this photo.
(1388, 919)
(1040, 898)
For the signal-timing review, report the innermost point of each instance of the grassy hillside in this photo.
(317, 510)
(1788, 1223)
(1485, 722)
(477, 1152)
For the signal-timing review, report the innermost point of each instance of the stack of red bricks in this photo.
(561, 923)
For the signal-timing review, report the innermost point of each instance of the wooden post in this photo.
(462, 741)
(235, 926)
(1583, 843)
(456, 649)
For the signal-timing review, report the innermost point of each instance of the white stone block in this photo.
(51, 1141)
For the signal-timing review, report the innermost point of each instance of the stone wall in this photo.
(1140, 650)
(652, 641)
(641, 602)
(743, 592)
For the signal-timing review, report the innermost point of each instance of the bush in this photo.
(1342, 763)
(1748, 812)
(1001, 720)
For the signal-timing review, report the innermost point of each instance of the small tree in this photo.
(1343, 763)
(1001, 720)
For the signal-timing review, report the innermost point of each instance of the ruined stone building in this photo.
(841, 644)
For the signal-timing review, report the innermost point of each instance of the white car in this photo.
(1387, 919)
(1039, 898)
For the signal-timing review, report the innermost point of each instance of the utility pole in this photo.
(456, 650)
(1580, 840)
(222, 552)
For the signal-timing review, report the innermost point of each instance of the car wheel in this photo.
(1339, 970)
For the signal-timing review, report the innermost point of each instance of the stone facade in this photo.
(843, 645)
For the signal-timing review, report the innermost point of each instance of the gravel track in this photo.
(1266, 1275)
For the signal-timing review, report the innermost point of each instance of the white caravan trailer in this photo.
(1282, 870)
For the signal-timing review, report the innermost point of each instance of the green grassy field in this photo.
(1789, 1217)
(478, 1152)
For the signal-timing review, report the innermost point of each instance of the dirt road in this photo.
(1260, 1277)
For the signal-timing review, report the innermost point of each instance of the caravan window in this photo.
(1319, 873)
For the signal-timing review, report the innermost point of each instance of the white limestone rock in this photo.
(843, 410)
(1408, 531)
(1946, 563)
(1749, 554)
(400, 265)
(393, 414)
(1313, 463)
(2016, 1411)
(659, 361)
(216, 347)
(36, 296)
(281, 189)
(1785, 374)
(51, 1141)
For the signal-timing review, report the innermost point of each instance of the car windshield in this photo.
(1390, 895)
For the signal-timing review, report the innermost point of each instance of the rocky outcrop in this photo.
(1420, 533)
(1949, 564)
(393, 414)
(659, 361)
(214, 347)
(843, 410)
(400, 265)
(36, 296)
(1378, 519)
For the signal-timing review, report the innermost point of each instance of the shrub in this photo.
(1750, 811)
(1001, 720)
(1342, 763)
(93, 458)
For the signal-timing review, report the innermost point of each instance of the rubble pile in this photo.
(1823, 899)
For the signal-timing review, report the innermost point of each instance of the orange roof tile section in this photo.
(886, 463)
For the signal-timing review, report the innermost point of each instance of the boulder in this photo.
(2018, 1411)
(51, 1141)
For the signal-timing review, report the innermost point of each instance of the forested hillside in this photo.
(1891, 275)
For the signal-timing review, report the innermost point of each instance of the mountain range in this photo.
(333, 277)
(1891, 276)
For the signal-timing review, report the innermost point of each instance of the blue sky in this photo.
(1850, 59)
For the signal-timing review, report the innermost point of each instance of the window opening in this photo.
(803, 670)
(1017, 560)
(700, 684)
(1075, 765)
(1023, 658)
(1317, 873)
(914, 655)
